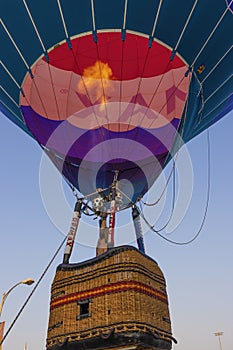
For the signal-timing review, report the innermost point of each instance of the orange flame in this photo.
(96, 81)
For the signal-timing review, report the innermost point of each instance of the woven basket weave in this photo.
(114, 299)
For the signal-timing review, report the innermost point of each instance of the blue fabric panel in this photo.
(140, 18)
(77, 16)
(109, 14)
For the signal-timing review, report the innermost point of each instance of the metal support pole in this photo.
(102, 244)
(138, 229)
(112, 219)
(2, 325)
(112, 211)
(72, 232)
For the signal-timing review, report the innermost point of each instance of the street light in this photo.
(27, 281)
(219, 334)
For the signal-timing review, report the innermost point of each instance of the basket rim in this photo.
(111, 252)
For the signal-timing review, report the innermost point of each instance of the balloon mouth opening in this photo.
(118, 127)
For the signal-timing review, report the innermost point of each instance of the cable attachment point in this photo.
(190, 68)
(172, 55)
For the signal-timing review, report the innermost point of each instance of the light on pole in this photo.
(219, 334)
(27, 281)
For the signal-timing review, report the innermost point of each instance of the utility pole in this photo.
(219, 334)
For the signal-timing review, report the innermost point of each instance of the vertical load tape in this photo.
(112, 216)
(72, 232)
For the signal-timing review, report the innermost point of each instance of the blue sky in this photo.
(199, 276)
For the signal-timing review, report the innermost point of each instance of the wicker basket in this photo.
(110, 302)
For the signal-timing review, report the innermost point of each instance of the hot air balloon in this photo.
(111, 90)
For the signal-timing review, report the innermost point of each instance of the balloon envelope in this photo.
(107, 87)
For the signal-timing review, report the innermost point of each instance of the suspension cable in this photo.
(186, 24)
(176, 155)
(211, 34)
(144, 65)
(205, 210)
(173, 202)
(32, 292)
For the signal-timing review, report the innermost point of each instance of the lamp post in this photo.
(219, 334)
(27, 281)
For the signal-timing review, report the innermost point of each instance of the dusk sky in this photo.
(199, 276)
(106, 88)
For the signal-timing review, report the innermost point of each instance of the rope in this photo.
(156, 19)
(9, 73)
(87, 94)
(211, 34)
(216, 107)
(185, 26)
(219, 87)
(173, 202)
(125, 14)
(13, 42)
(176, 156)
(200, 112)
(54, 93)
(121, 82)
(143, 69)
(34, 26)
(144, 65)
(21, 55)
(9, 109)
(10, 97)
(212, 70)
(40, 98)
(216, 65)
(111, 151)
(93, 15)
(138, 89)
(205, 211)
(26, 64)
(200, 92)
(171, 96)
(77, 65)
(154, 94)
(62, 18)
(45, 51)
(32, 292)
(102, 84)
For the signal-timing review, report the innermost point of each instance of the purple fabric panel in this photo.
(69, 140)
